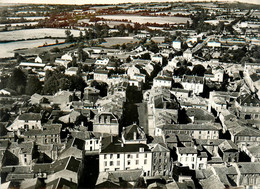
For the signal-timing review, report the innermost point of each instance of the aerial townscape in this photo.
(131, 95)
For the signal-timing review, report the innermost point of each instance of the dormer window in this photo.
(245, 104)
(257, 105)
(251, 104)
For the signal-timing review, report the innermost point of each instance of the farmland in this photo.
(145, 19)
(7, 49)
(35, 33)
(118, 41)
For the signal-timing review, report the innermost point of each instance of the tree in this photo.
(198, 70)
(17, 81)
(33, 85)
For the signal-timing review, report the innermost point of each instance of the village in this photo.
(133, 105)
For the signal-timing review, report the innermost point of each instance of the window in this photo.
(111, 163)
(105, 156)
(145, 161)
(118, 156)
(90, 142)
(145, 155)
(128, 162)
(137, 162)
(118, 163)
(105, 163)
(137, 155)
(128, 155)
(96, 141)
(111, 156)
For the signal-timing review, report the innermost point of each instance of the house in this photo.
(106, 122)
(115, 156)
(38, 60)
(247, 106)
(71, 71)
(196, 131)
(213, 44)
(160, 160)
(193, 83)
(50, 134)
(131, 71)
(68, 56)
(248, 174)
(228, 151)
(133, 134)
(101, 75)
(198, 115)
(188, 156)
(26, 121)
(161, 81)
(253, 152)
(26, 65)
(91, 94)
(187, 54)
(102, 62)
(180, 93)
(157, 58)
(176, 45)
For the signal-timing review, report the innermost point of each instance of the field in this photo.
(20, 24)
(28, 18)
(35, 33)
(118, 41)
(7, 49)
(151, 19)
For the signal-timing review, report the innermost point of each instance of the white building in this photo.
(176, 45)
(102, 62)
(188, 156)
(193, 83)
(160, 81)
(101, 75)
(116, 155)
(157, 58)
(213, 44)
(26, 121)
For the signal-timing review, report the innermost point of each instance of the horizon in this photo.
(86, 2)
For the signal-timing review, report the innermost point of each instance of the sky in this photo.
(103, 1)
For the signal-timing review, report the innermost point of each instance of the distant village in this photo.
(179, 108)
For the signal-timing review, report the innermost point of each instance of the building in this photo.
(196, 131)
(101, 75)
(106, 122)
(26, 121)
(247, 107)
(176, 45)
(161, 81)
(115, 156)
(161, 164)
(193, 83)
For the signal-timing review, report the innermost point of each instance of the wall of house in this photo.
(161, 163)
(196, 88)
(92, 144)
(126, 161)
(188, 160)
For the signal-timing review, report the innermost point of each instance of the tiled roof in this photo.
(30, 116)
(187, 150)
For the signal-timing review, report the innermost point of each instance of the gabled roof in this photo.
(249, 167)
(128, 132)
(30, 116)
(228, 145)
(187, 150)
(248, 99)
(158, 148)
(193, 79)
(61, 183)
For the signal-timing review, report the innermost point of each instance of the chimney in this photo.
(134, 135)
(111, 139)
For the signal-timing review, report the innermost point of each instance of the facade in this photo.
(27, 121)
(160, 81)
(115, 155)
(101, 75)
(106, 122)
(161, 164)
(193, 83)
